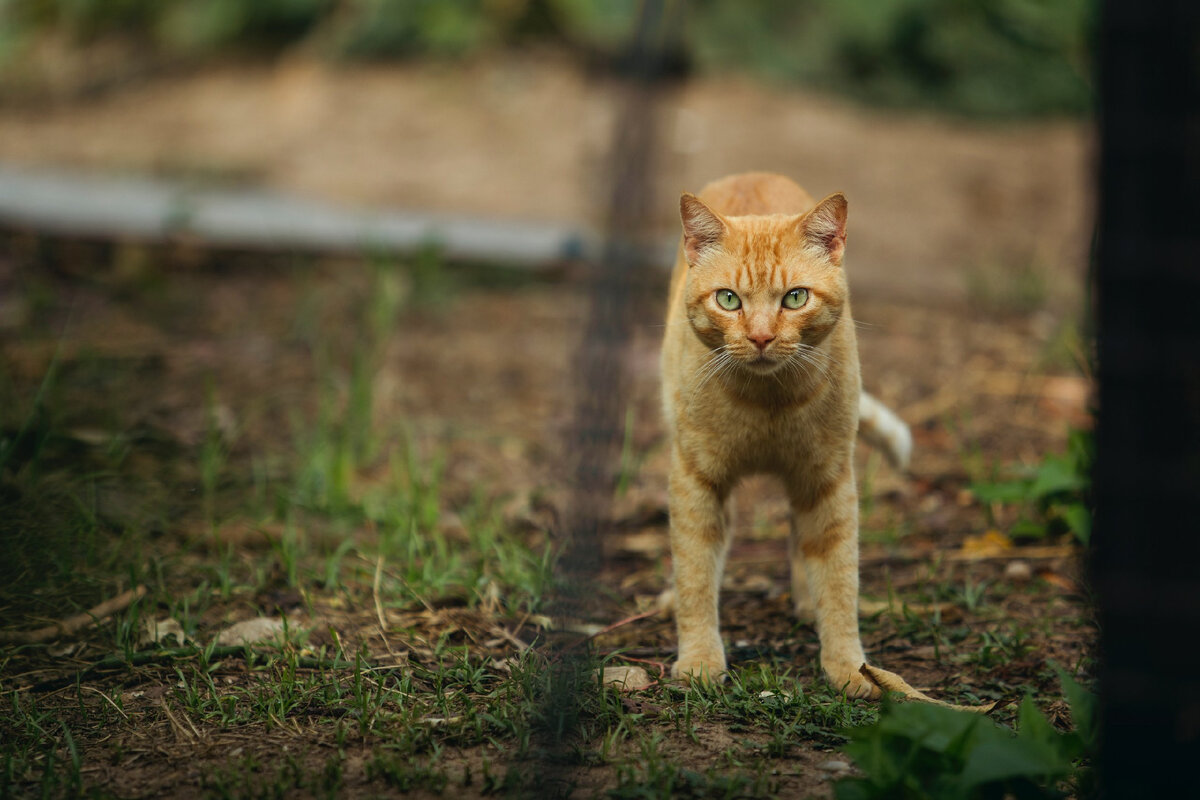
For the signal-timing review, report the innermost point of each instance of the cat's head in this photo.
(765, 289)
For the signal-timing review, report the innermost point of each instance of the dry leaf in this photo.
(63, 650)
(156, 631)
(1026, 552)
(868, 607)
(490, 599)
(891, 682)
(650, 542)
(1054, 579)
(986, 545)
(438, 722)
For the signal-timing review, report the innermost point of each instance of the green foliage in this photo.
(177, 24)
(922, 751)
(1053, 497)
(988, 58)
(382, 28)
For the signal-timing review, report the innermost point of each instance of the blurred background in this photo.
(252, 423)
(501, 109)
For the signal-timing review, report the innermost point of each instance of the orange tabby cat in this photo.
(760, 375)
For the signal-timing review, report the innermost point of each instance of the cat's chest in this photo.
(733, 438)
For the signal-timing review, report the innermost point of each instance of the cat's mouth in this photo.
(762, 363)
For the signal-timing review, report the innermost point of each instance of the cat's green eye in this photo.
(728, 300)
(795, 298)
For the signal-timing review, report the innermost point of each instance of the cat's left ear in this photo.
(703, 228)
(825, 227)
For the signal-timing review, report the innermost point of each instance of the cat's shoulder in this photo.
(756, 193)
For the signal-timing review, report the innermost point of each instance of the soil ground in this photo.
(190, 391)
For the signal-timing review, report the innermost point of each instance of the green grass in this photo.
(357, 513)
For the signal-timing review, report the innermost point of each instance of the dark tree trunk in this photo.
(1146, 556)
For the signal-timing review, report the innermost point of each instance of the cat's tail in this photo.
(879, 427)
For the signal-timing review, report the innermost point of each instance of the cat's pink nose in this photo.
(761, 339)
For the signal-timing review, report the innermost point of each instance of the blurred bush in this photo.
(174, 25)
(979, 57)
(976, 57)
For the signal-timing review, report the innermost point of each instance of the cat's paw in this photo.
(848, 679)
(707, 668)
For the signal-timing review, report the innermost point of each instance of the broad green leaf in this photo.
(1002, 491)
(1083, 709)
(1078, 519)
(1014, 757)
(939, 729)
(1055, 475)
(1025, 528)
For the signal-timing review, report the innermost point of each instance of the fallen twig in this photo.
(654, 612)
(76, 623)
(660, 666)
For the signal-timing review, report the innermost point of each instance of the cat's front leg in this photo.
(698, 545)
(825, 546)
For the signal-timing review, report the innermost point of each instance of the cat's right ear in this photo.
(825, 227)
(703, 228)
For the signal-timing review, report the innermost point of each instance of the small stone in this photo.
(627, 679)
(252, 631)
(1018, 571)
(833, 765)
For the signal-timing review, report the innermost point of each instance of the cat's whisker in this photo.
(811, 356)
(714, 358)
(798, 366)
(711, 359)
(816, 354)
(716, 362)
(821, 367)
